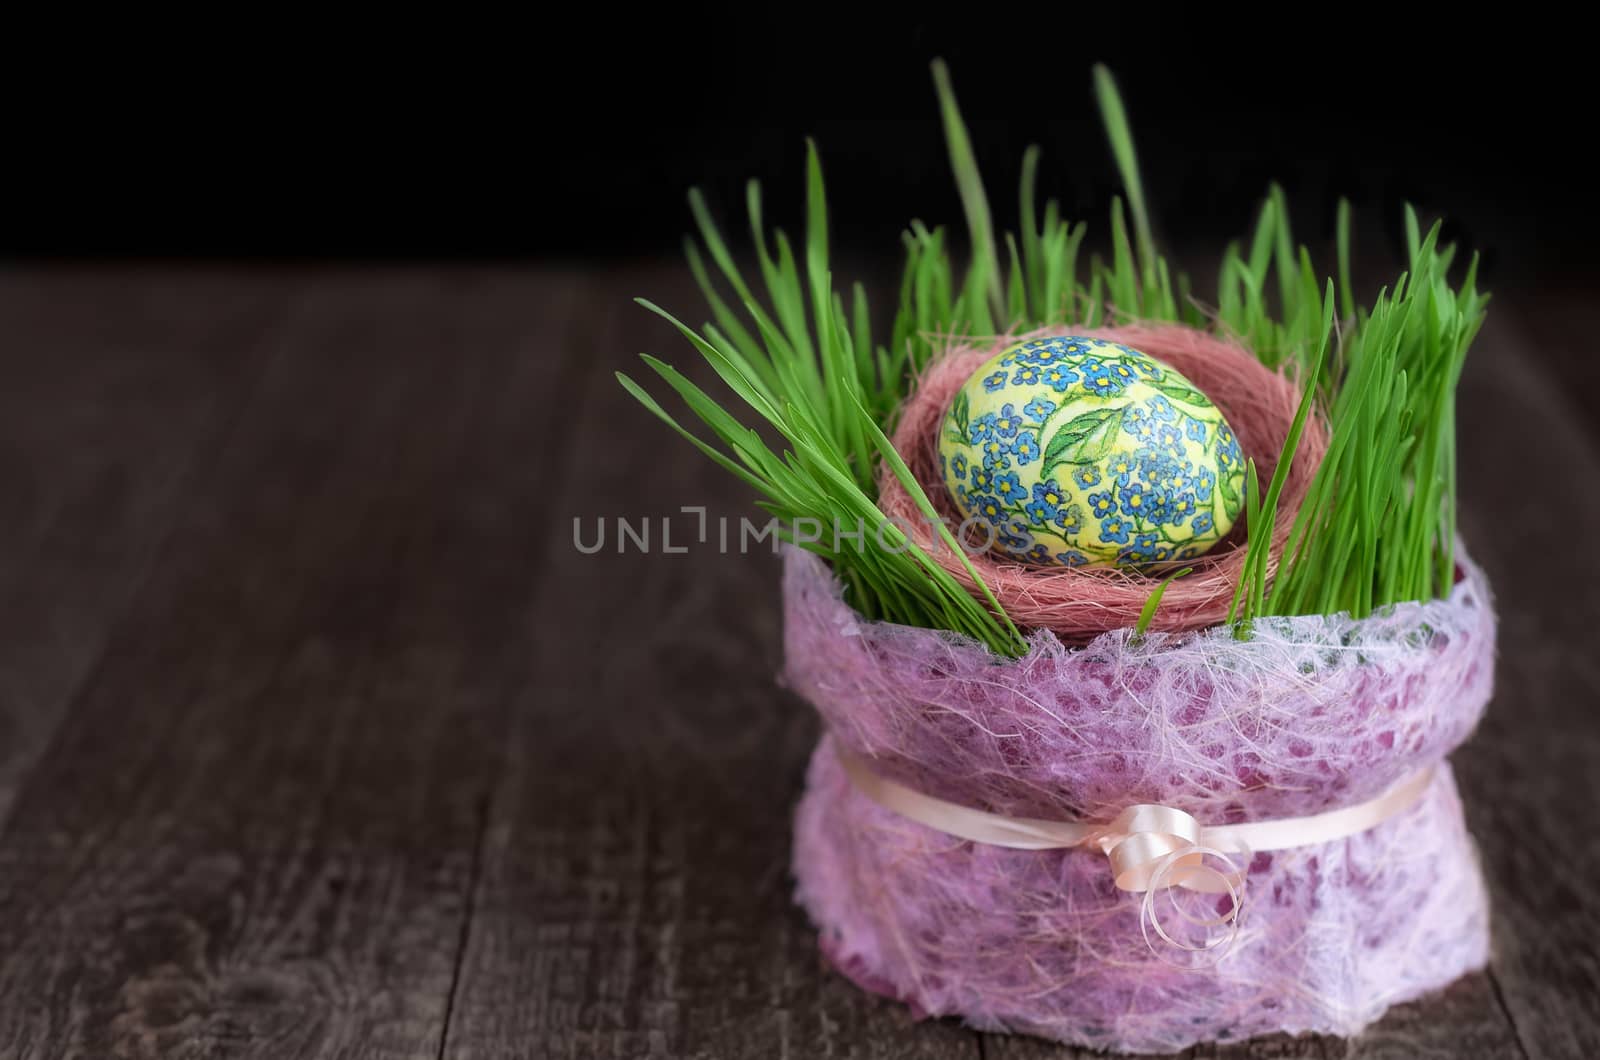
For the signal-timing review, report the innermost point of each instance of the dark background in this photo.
(578, 139)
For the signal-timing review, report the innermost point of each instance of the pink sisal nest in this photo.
(1078, 604)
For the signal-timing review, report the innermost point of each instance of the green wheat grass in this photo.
(796, 352)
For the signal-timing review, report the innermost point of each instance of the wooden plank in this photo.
(115, 381)
(258, 833)
(255, 833)
(635, 898)
(1531, 788)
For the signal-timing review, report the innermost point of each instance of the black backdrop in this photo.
(578, 140)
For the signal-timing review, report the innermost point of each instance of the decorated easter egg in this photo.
(1081, 452)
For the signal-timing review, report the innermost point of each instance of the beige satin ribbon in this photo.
(1150, 847)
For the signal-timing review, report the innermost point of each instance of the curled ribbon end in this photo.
(1187, 869)
(1154, 848)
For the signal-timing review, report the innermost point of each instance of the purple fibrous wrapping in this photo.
(1309, 714)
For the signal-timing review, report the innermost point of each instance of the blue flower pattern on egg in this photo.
(1007, 488)
(1038, 410)
(1092, 453)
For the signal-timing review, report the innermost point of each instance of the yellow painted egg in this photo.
(1081, 452)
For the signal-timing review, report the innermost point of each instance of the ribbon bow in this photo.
(1151, 848)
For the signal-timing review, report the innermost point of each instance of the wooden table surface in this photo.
(319, 738)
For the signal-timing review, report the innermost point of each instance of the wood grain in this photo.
(112, 389)
(1531, 787)
(635, 894)
(255, 834)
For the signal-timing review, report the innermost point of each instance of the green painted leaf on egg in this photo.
(1088, 437)
(959, 412)
(1186, 395)
(1230, 491)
